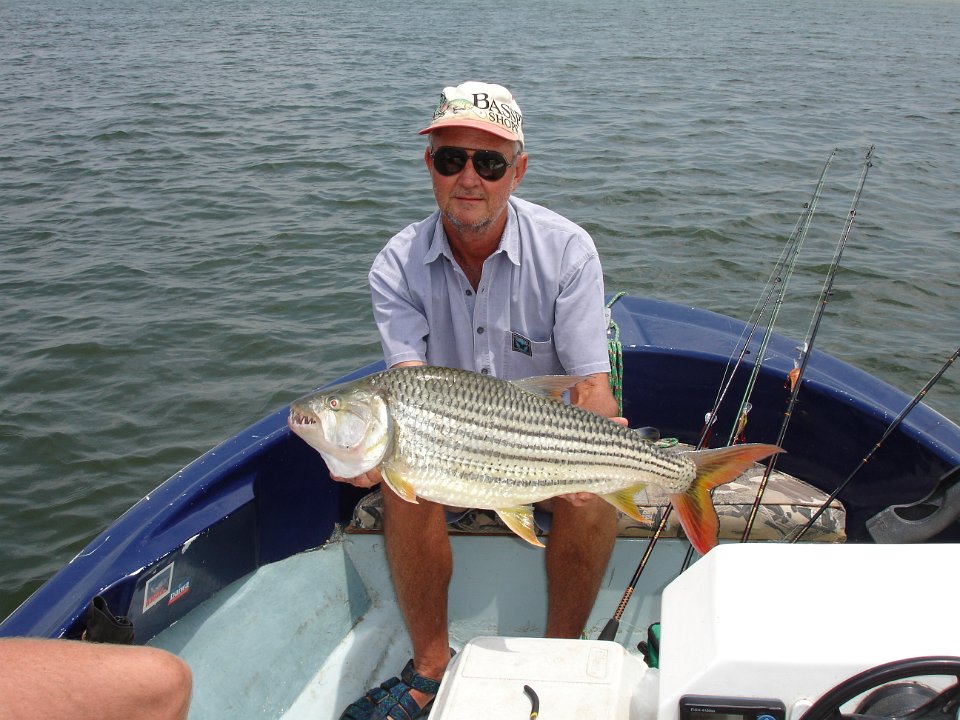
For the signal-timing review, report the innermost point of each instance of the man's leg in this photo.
(578, 550)
(81, 680)
(421, 564)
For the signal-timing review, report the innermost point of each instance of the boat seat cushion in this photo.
(787, 504)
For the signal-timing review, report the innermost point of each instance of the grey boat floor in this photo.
(304, 637)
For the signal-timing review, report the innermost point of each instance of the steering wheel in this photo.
(944, 705)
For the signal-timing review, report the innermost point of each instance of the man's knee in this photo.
(171, 681)
(174, 674)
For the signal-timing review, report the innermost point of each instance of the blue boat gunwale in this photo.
(232, 496)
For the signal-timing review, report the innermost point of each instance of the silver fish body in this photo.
(469, 440)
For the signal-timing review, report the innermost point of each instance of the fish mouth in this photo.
(298, 419)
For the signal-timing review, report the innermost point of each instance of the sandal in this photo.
(392, 701)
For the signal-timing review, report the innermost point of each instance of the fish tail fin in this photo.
(714, 468)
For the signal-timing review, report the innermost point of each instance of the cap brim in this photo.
(483, 125)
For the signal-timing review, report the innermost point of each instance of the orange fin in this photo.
(714, 467)
(552, 386)
(520, 520)
(400, 485)
(792, 377)
(622, 500)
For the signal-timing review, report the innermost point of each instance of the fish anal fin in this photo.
(552, 386)
(395, 479)
(520, 520)
(623, 501)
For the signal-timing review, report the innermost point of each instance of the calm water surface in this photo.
(191, 193)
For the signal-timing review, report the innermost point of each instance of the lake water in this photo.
(191, 194)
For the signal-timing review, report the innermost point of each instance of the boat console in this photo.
(757, 631)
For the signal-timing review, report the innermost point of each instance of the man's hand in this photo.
(367, 480)
(593, 393)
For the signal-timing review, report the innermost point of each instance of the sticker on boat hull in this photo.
(158, 587)
(179, 591)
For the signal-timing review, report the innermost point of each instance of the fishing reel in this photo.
(893, 694)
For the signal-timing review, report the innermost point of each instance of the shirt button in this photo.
(485, 371)
(479, 331)
(469, 292)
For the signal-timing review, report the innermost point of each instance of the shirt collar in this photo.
(509, 241)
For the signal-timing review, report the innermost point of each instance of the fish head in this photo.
(349, 425)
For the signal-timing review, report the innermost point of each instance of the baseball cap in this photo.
(483, 106)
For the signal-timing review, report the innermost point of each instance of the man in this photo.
(497, 285)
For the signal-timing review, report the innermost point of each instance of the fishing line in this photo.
(789, 262)
(797, 534)
(811, 338)
(778, 277)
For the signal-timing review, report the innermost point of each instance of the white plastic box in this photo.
(573, 679)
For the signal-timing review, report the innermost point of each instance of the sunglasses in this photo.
(488, 164)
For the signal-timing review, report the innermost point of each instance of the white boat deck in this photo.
(305, 637)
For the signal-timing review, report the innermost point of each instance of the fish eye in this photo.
(334, 403)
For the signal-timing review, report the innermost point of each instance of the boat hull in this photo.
(264, 495)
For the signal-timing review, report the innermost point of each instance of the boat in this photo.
(269, 578)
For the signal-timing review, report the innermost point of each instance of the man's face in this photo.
(467, 202)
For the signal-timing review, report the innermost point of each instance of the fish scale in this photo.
(471, 432)
(469, 440)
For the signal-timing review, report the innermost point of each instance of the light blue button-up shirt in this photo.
(538, 309)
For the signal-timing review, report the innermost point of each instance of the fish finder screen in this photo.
(705, 707)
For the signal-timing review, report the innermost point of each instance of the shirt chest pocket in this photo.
(529, 357)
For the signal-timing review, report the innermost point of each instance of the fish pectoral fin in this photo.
(395, 479)
(623, 501)
(520, 520)
(552, 386)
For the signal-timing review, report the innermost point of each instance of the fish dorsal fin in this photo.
(552, 386)
(393, 476)
(520, 520)
(623, 501)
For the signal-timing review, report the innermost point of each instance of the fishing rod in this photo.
(808, 343)
(797, 534)
(783, 272)
(803, 225)
(609, 631)
(777, 277)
